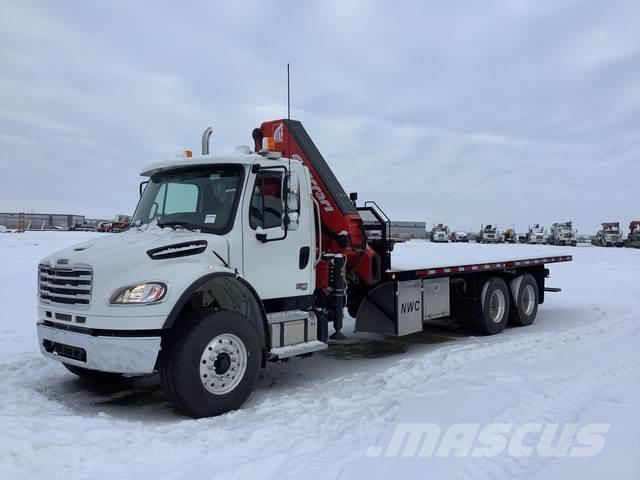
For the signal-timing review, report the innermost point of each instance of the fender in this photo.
(242, 299)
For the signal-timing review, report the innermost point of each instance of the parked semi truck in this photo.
(488, 234)
(233, 261)
(563, 234)
(633, 239)
(440, 233)
(609, 235)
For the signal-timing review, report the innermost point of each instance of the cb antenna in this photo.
(289, 118)
(288, 95)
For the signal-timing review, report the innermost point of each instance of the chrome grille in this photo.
(69, 286)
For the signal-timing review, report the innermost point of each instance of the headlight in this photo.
(139, 294)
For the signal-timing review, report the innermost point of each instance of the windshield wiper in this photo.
(178, 223)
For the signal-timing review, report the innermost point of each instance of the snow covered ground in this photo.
(318, 417)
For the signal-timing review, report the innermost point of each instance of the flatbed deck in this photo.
(420, 258)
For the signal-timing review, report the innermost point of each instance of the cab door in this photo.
(278, 259)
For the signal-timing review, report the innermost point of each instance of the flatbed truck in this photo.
(234, 261)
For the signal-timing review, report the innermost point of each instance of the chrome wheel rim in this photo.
(528, 300)
(223, 364)
(497, 306)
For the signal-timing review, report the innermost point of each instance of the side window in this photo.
(266, 201)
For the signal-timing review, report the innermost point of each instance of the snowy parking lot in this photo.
(321, 417)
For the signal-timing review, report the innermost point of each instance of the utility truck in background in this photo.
(234, 261)
(563, 234)
(440, 233)
(535, 235)
(609, 236)
(488, 234)
(633, 239)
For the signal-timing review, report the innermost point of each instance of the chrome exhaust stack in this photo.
(205, 140)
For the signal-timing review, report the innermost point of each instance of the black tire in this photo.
(524, 304)
(180, 365)
(482, 323)
(95, 376)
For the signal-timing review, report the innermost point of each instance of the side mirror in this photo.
(142, 186)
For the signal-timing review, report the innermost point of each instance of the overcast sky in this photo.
(456, 112)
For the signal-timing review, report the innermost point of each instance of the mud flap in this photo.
(400, 308)
(392, 309)
(377, 312)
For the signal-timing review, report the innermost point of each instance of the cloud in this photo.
(463, 113)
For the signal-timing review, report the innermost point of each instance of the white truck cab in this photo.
(207, 230)
(536, 235)
(440, 233)
(488, 234)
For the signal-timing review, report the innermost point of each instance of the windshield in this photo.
(205, 198)
(612, 232)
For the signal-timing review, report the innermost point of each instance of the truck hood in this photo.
(129, 247)
(176, 258)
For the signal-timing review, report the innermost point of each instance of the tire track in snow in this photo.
(560, 404)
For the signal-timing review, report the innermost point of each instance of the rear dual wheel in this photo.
(493, 313)
(500, 304)
(524, 307)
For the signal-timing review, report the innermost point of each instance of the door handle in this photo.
(303, 259)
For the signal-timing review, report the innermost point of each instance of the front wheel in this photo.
(212, 365)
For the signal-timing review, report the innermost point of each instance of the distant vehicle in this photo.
(460, 237)
(488, 234)
(510, 236)
(535, 235)
(633, 239)
(609, 236)
(522, 238)
(119, 224)
(83, 227)
(440, 233)
(562, 233)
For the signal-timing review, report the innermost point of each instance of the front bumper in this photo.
(103, 353)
